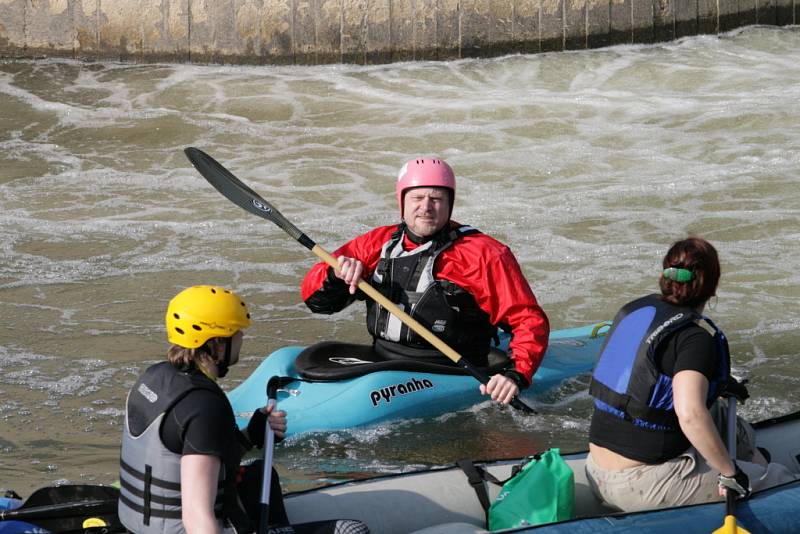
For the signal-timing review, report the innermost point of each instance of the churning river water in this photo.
(588, 164)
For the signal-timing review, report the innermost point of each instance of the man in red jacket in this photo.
(459, 282)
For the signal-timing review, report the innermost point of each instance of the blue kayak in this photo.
(390, 390)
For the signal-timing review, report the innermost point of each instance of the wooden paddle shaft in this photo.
(378, 297)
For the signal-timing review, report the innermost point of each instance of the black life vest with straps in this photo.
(626, 381)
(407, 278)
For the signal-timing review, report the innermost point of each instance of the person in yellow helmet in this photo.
(181, 448)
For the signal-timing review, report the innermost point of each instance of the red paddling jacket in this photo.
(461, 283)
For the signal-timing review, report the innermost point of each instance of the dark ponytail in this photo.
(700, 257)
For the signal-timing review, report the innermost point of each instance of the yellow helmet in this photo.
(200, 313)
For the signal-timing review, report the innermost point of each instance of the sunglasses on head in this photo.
(678, 274)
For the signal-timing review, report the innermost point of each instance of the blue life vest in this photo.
(626, 381)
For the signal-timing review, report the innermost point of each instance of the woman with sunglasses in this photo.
(655, 435)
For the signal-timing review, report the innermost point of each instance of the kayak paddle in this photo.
(729, 523)
(237, 192)
(69, 508)
(273, 385)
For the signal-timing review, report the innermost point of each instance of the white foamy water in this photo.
(588, 164)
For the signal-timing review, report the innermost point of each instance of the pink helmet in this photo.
(425, 172)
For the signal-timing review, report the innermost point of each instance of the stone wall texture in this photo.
(307, 32)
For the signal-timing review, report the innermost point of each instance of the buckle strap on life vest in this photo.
(148, 479)
(157, 499)
(631, 409)
(148, 513)
(147, 509)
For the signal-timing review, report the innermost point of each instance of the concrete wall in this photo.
(357, 31)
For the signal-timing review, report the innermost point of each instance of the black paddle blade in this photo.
(70, 494)
(483, 378)
(237, 192)
(67, 509)
(521, 406)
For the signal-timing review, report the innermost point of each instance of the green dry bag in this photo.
(542, 492)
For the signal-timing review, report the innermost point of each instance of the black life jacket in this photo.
(407, 279)
(626, 381)
(150, 474)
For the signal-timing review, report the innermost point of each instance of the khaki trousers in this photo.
(685, 479)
